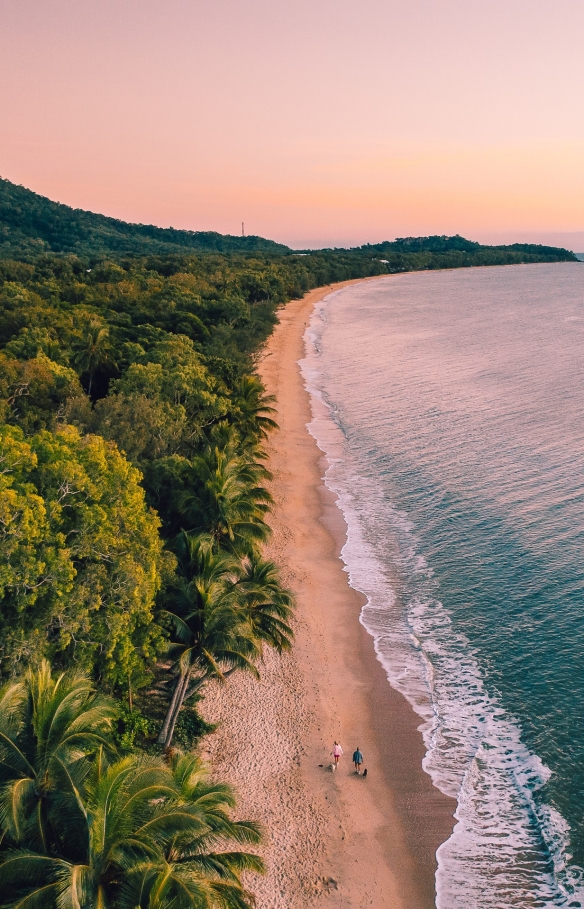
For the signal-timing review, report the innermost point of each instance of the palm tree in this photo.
(268, 605)
(212, 635)
(93, 350)
(150, 836)
(253, 409)
(224, 610)
(226, 499)
(50, 727)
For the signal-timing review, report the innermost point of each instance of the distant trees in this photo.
(31, 224)
(92, 350)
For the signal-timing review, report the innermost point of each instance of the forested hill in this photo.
(31, 224)
(416, 253)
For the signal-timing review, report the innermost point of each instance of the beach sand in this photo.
(330, 837)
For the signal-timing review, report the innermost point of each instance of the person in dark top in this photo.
(357, 760)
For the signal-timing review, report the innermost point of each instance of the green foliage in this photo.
(133, 729)
(144, 362)
(49, 727)
(92, 350)
(162, 404)
(80, 827)
(34, 392)
(224, 607)
(415, 253)
(251, 412)
(224, 496)
(82, 555)
(190, 728)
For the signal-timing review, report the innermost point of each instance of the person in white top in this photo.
(337, 752)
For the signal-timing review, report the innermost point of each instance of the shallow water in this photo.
(454, 433)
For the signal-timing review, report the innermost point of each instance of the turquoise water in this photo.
(450, 406)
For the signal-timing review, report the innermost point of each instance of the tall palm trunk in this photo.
(172, 709)
(182, 693)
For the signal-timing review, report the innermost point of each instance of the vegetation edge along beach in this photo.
(135, 515)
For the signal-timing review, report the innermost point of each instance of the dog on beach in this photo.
(365, 773)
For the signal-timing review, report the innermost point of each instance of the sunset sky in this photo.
(315, 122)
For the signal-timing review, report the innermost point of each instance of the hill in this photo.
(31, 224)
(415, 253)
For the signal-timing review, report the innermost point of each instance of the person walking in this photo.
(357, 760)
(337, 752)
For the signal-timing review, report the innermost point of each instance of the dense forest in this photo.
(133, 512)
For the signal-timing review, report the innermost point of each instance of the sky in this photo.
(316, 123)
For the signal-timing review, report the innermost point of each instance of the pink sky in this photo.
(315, 122)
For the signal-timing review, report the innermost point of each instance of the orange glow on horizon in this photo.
(314, 124)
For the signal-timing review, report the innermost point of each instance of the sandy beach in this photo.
(334, 837)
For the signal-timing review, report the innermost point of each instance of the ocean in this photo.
(450, 406)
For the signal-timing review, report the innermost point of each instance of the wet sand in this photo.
(329, 836)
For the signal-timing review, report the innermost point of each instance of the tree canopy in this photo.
(82, 555)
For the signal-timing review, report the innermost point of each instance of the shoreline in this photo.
(368, 842)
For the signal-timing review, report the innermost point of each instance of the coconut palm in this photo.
(50, 727)
(224, 610)
(268, 605)
(93, 350)
(151, 836)
(227, 500)
(253, 409)
(212, 635)
(235, 442)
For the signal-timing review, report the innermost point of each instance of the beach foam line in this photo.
(507, 849)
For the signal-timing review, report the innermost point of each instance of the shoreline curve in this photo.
(360, 842)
